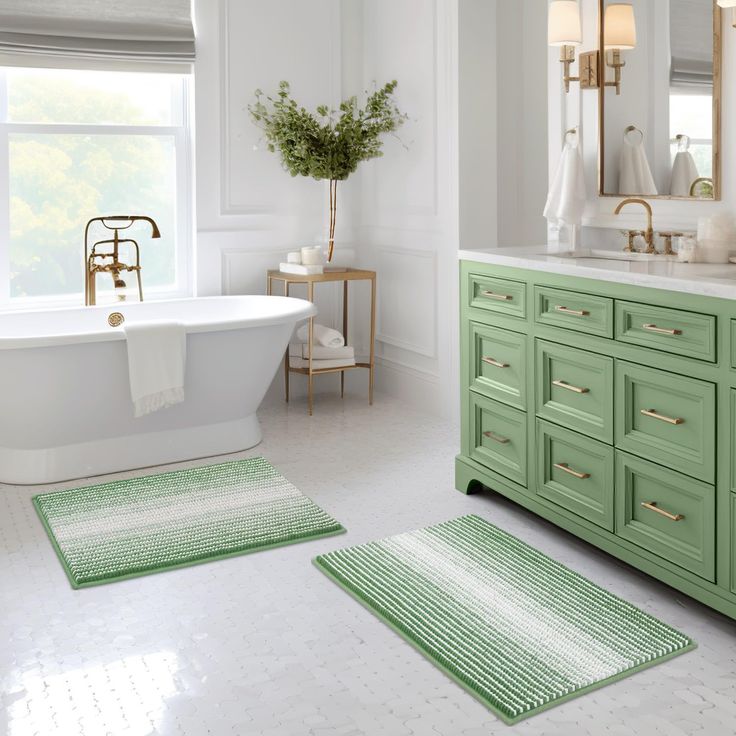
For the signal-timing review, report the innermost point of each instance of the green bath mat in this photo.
(518, 630)
(133, 527)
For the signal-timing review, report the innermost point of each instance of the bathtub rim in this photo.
(302, 310)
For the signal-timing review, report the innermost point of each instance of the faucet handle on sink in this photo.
(632, 235)
(667, 235)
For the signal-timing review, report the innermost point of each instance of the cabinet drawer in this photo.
(666, 513)
(498, 438)
(683, 333)
(667, 418)
(576, 473)
(498, 364)
(575, 389)
(501, 296)
(574, 311)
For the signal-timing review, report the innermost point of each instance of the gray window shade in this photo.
(97, 30)
(691, 41)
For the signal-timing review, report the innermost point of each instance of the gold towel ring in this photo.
(634, 129)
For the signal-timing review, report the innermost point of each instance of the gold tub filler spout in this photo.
(103, 256)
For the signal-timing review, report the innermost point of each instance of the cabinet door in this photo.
(667, 418)
(498, 438)
(498, 364)
(575, 389)
(576, 473)
(667, 513)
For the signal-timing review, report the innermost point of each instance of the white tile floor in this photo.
(266, 645)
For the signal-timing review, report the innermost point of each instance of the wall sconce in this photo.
(729, 4)
(564, 30)
(619, 34)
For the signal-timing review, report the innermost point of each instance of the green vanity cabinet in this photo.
(610, 410)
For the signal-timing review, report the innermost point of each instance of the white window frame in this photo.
(180, 130)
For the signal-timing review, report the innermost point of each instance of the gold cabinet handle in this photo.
(570, 387)
(574, 312)
(500, 297)
(662, 418)
(495, 363)
(497, 438)
(661, 330)
(567, 469)
(652, 506)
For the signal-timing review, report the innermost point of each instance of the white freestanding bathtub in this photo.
(65, 406)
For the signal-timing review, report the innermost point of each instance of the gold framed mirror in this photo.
(660, 99)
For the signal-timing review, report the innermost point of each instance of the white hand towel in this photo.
(324, 336)
(566, 199)
(635, 175)
(156, 362)
(684, 173)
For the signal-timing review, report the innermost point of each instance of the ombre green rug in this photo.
(518, 630)
(127, 528)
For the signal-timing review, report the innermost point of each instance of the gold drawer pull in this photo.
(573, 312)
(497, 438)
(494, 363)
(570, 387)
(567, 469)
(661, 330)
(500, 297)
(662, 418)
(652, 506)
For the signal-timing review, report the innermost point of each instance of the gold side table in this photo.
(329, 276)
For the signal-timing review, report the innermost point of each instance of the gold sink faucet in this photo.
(103, 260)
(649, 233)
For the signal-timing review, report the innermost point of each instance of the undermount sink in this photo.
(614, 255)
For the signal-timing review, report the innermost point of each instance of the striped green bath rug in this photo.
(133, 527)
(518, 630)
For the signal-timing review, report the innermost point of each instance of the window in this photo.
(81, 144)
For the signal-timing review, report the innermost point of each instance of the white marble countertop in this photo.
(707, 279)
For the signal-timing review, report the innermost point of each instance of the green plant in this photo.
(328, 144)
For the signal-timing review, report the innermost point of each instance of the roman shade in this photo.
(691, 42)
(96, 32)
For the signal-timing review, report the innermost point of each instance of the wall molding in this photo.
(428, 351)
(399, 366)
(229, 208)
(433, 209)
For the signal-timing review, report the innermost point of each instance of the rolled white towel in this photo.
(325, 336)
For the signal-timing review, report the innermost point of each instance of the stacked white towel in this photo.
(156, 365)
(328, 349)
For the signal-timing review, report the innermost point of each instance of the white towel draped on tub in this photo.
(322, 335)
(157, 353)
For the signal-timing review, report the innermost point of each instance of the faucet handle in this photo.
(632, 236)
(667, 235)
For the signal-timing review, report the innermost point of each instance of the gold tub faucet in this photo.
(98, 259)
(649, 232)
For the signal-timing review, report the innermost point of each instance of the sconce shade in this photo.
(727, 3)
(620, 27)
(564, 27)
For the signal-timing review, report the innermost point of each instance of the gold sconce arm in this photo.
(615, 62)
